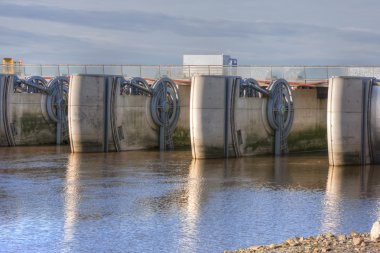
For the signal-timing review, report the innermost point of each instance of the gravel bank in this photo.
(355, 242)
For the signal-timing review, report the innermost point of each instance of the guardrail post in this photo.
(271, 73)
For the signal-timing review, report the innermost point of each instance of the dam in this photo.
(61, 132)
(216, 111)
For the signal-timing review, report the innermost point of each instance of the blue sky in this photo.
(266, 32)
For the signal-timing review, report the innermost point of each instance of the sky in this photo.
(256, 32)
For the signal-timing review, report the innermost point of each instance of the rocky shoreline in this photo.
(355, 242)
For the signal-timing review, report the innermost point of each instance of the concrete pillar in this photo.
(88, 113)
(101, 119)
(210, 116)
(347, 120)
(6, 136)
(375, 124)
(24, 119)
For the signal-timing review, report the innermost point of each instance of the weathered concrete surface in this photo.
(307, 133)
(4, 125)
(247, 121)
(375, 124)
(136, 130)
(181, 135)
(346, 127)
(100, 119)
(86, 113)
(310, 118)
(30, 126)
(135, 123)
(24, 118)
(250, 124)
(210, 103)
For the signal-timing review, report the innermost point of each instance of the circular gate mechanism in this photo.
(56, 106)
(57, 99)
(165, 109)
(56, 92)
(164, 105)
(35, 84)
(280, 113)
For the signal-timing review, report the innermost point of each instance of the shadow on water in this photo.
(145, 200)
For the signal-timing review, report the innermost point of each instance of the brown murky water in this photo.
(54, 201)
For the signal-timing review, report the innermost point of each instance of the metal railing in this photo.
(300, 74)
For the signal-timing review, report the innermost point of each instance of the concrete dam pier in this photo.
(232, 117)
(353, 120)
(110, 113)
(33, 110)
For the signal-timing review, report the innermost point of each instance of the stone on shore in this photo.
(357, 240)
(354, 242)
(375, 231)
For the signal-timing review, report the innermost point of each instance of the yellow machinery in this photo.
(8, 66)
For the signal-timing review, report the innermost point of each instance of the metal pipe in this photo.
(149, 91)
(39, 87)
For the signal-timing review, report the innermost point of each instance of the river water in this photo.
(147, 201)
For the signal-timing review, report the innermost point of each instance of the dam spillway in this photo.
(113, 113)
(133, 124)
(33, 113)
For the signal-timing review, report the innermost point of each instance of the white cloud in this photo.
(255, 32)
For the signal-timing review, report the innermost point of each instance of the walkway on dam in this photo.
(299, 74)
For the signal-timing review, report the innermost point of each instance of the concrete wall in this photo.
(375, 124)
(4, 125)
(309, 130)
(133, 118)
(135, 123)
(86, 113)
(250, 132)
(29, 124)
(347, 120)
(181, 135)
(27, 117)
(208, 120)
(101, 120)
(224, 124)
(24, 117)
(250, 120)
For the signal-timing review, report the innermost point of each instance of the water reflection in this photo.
(193, 191)
(296, 173)
(347, 182)
(167, 202)
(71, 196)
